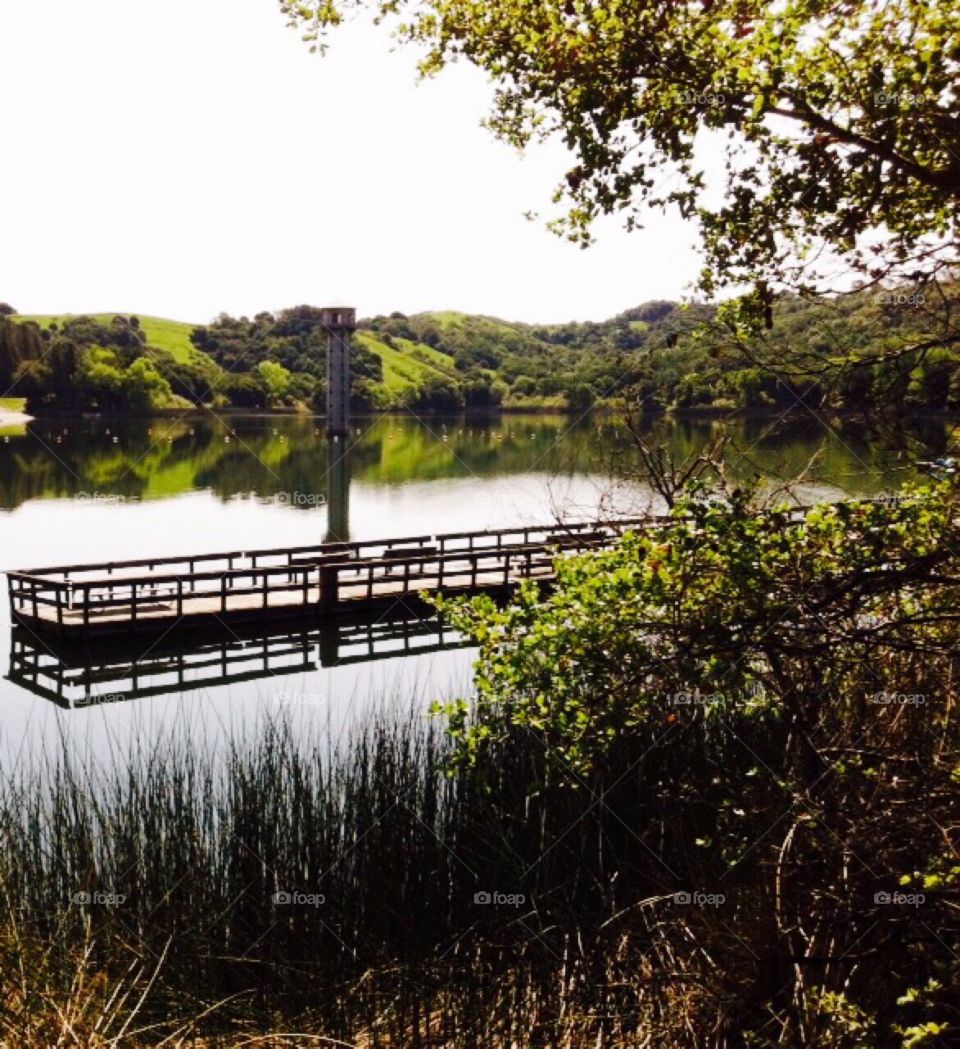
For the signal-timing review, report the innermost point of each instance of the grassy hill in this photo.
(406, 363)
(172, 336)
(658, 353)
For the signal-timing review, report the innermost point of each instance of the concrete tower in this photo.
(340, 322)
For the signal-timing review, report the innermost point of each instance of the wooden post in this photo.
(223, 594)
(329, 586)
(266, 595)
(179, 598)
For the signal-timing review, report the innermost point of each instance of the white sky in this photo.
(187, 157)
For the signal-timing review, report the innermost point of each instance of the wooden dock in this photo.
(161, 595)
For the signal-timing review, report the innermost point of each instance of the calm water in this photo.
(96, 490)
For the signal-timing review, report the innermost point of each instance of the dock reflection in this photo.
(79, 676)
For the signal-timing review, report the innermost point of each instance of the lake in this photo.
(95, 489)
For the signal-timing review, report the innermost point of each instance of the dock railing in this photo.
(324, 575)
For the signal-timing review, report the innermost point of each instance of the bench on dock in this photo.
(409, 553)
(568, 539)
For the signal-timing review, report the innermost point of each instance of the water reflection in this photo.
(77, 676)
(289, 458)
(95, 489)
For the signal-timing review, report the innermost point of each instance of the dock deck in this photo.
(159, 595)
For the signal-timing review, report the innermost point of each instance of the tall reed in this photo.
(358, 893)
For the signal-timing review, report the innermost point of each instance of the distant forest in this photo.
(867, 351)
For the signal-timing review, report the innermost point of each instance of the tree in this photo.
(6, 310)
(836, 123)
(777, 688)
(244, 391)
(18, 343)
(435, 394)
(275, 379)
(479, 391)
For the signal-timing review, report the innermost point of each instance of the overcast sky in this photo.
(187, 157)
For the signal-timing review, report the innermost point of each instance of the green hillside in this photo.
(662, 354)
(172, 336)
(406, 363)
